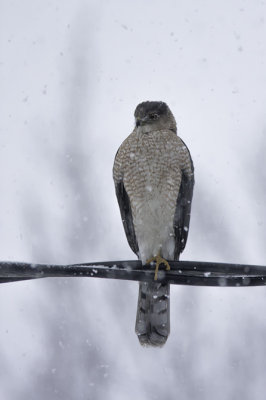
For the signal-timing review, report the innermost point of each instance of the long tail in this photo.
(153, 313)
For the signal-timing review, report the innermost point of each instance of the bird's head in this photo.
(153, 116)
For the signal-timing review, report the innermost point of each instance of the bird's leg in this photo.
(159, 260)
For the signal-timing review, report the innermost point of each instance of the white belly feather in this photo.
(152, 182)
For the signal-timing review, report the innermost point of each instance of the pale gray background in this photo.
(71, 74)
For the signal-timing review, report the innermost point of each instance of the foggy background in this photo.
(71, 75)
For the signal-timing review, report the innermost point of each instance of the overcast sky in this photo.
(71, 75)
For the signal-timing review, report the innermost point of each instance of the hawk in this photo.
(154, 178)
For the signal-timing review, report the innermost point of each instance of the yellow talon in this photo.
(159, 260)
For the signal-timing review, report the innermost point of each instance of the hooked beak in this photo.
(141, 121)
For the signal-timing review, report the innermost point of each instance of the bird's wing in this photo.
(126, 215)
(183, 204)
(123, 200)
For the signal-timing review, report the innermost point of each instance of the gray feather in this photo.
(153, 313)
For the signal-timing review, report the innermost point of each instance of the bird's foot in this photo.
(159, 260)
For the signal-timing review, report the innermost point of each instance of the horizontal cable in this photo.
(197, 273)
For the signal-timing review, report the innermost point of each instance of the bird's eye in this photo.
(154, 116)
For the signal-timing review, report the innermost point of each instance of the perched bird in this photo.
(154, 178)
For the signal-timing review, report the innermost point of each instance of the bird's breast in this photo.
(152, 167)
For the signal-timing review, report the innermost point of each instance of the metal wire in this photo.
(197, 273)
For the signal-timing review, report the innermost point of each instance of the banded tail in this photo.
(153, 313)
